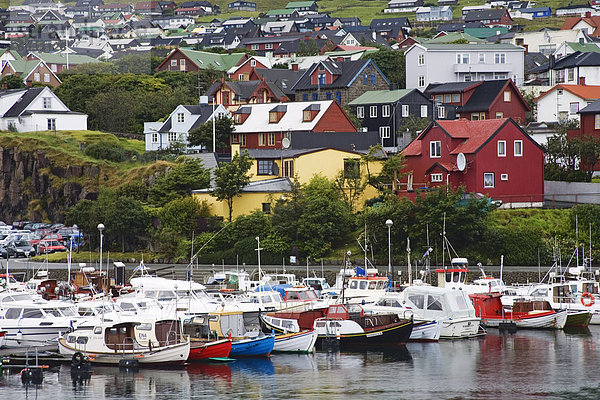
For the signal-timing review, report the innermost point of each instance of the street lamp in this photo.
(101, 228)
(389, 224)
(259, 249)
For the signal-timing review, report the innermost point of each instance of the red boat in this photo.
(202, 349)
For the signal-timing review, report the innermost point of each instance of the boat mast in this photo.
(444, 242)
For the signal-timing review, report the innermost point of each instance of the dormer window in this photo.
(277, 113)
(241, 115)
(310, 112)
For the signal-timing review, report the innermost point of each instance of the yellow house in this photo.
(274, 169)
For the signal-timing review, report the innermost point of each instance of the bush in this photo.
(106, 151)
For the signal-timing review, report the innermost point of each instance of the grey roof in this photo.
(472, 46)
(534, 60)
(386, 23)
(461, 26)
(25, 100)
(166, 127)
(278, 153)
(478, 15)
(593, 108)
(483, 96)
(437, 88)
(346, 70)
(210, 162)
(284, 79)
(578, 59)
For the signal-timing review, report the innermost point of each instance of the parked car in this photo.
(479, 196)
(22, 248)
(6, 252)
(50, 246)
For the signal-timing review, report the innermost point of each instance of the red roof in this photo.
(146, 5)
(476, 133)
(586, 92)
(413, 149)
(570, 22)
(189, 9)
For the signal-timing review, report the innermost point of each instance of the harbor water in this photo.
(527, 364)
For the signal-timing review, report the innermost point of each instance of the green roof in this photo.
(24, 67)
(484, 33)
(299, 4)
(60, 58)
(14, 53)
(585, 47)
(282, 11)
(350, 52)
(471, 46)
(204, 59)
(453, 37)
(380, 96)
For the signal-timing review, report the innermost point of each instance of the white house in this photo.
(162, 135)
(395, 6)
(425, 14)
(462, 63)
(37, 109)
(563, 102)
(546, 42)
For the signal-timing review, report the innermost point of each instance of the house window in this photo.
(46, 77)
(571, 74)
(500, 58)
(172, 136)
(518, 148)
(47, 102)
(240, 77)
(235, 138)
(271, 139)
(225, 97)
(501, 148)
(268, 46)
(243, 139)
(385, 110)
(499, 115)
(421, 59)
(321, 79)
(468, 78)
(373, 79)
(441, 112)
(36, 77)
(424, 111)
(265, 167)
(573, 108)
(315, 96)
(447, 98)
(435, 149)
(439, 98)
(266, 208)
(373, 111)
(365, 79)
(360, 112)
(261, 139)
(272, 117)
(597, 121)
(51, 124)
(306, 115)
(507, 96)
(305, 97)
(456, 98)
(405, 110)
(288, 168)
(338, 97)
(384, 132)
(488, 180)
(54, 68)
(421, 81)
(351, 168)
(180, 118)
(503, 177)
(328, 96)
(478, 116)
(254, 47)
(173, 63)
(155, 138)
(182, 63)
(462, 58)
(481, 58)
(253, 63)
(437, 177)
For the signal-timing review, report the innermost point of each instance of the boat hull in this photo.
(175, 354)
(380, 338)
(460, 328)
(578, 319)
(426, 331)
(27, 336)
(298, 342)
(253, 347)
(553, 320)
(204, 350)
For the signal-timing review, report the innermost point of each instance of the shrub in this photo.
(106, 151)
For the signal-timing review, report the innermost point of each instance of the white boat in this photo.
(36, 322)
(2, 338)
(150, 342)
(365, 289)
(296, 342)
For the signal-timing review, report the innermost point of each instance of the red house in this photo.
(479, 100)
(494, 157)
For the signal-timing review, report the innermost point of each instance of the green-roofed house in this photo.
(283, 13)
(187, 60)
(567, 48)
(303, 7)
(32, 71)
(58, 62)
(453, 37)
(7, 55)
(386, 111)
(486, 32)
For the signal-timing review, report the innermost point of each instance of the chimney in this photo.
(588, 14)
(582, 80)
(295, 67)
(526, 48)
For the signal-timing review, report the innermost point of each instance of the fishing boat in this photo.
(258, 346)
(296, 342)
(351, 328)
(148, 342)
(524, 314)
(205, 349)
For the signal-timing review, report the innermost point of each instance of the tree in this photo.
(231, 178)
(203, 135)
(126, 219)
(588, 149)
(350, 183)
(391, 63)
(181, 215)
(12, 82)
(179, 181)
(384, 180)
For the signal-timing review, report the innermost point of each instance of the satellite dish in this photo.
(285, 143)
(275, 169)
(461, 162)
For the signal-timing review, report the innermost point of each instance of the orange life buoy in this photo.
(589, 296)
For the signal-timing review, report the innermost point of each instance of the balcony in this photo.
(482, 67)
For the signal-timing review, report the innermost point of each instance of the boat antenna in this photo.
(444, 242)
(590, 244)
(576, 240)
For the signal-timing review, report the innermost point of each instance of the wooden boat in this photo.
(524, 314)
(150, 342)
(259, 346)
(204, 349)
(352, 328)
(578, 319)
(296, 342)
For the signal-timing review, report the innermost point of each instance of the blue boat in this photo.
(260, 346)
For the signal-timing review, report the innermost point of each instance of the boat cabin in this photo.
(368, 283)
(300, 293)
(319, 284)
(89, 281)
(135, 335)
(456, 274)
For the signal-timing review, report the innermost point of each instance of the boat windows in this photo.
(97, 330)
(353, 284)
(363, 285)
(539, 293)
(320, 324)
(82, 340)
(86, 312)
(372, 285)
(276, 297)
(71, 339)
(265, 299)
(292, 296)
(381, 285)
(53, 311)
(127, 306)
(434, 303)
(12, 313)
(144, 327)
(417, 299)
(32, 313)
(460, 302)
(166, 295)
